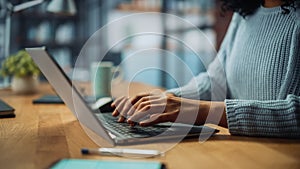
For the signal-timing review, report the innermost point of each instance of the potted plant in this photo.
(23, 71)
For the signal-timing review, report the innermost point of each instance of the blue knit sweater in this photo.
(257, 74)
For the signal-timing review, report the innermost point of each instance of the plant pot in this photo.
(25, 85)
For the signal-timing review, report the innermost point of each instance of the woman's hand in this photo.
(151, 108)
(123, 104)
(154, 108)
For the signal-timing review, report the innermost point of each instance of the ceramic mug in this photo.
(102, 74)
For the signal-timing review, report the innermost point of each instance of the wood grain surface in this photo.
(41, 134)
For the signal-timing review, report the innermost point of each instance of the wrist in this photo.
(212, 112)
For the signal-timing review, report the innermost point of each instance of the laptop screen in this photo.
(71, 94)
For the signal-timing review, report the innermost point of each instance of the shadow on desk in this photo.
(222, 137)
(271, 145)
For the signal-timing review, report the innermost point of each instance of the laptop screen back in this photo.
(70, 95)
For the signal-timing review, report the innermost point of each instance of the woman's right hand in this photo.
(151, 108)
(123, 104)
(141, 104)
(147, 109)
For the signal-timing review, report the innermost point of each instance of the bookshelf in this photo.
(61, 34)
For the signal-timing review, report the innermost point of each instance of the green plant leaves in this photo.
(19, 65)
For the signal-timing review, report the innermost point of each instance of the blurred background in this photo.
(65, 34)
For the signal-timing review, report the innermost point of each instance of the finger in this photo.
(122, 110)
(145, 109)
(136, 105)
(142, 98)
(155, 119)
(117, 101)
(121, 119)
(135, 99)
(115, 104)
(138, 97)
(115, 113)
(119, 107)
(142, 103)
(125, 109)
(145, 112)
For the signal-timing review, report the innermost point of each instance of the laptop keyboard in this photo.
(126, 131)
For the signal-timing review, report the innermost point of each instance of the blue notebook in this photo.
(99, 164)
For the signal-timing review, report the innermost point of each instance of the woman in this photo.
(253, 84)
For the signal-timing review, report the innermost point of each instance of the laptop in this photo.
(98, 123)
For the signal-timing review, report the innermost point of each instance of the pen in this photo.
(122, 152)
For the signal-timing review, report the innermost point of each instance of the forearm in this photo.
(212, 112)
(199, 112)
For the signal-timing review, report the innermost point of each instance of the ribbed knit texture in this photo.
(257, 73)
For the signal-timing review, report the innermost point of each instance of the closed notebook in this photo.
(48, 99)
(99, 164)
(6, 110)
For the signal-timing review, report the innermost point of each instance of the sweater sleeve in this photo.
(272, 118)
(211, 85)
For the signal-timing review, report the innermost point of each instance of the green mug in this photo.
(101, 77)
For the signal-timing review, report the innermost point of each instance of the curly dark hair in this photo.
(247, 7)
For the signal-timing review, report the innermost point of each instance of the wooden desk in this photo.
(42, 134)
